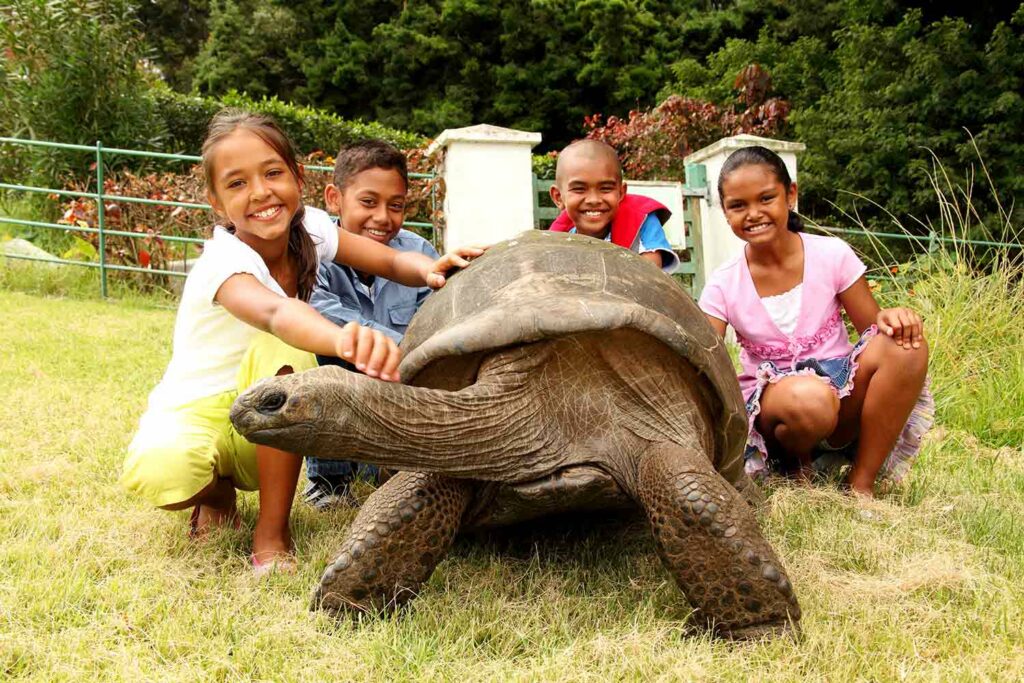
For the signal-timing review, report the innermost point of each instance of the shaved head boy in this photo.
(592, 195)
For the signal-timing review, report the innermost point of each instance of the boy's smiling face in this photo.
(589, 189)
(371, 204)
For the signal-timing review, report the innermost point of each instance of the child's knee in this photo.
(911, 363)
(916, 362)
(167, 472)
(810, 407)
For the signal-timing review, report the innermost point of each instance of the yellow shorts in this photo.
(177, 451)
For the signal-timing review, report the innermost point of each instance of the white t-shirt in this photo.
(784, 309)
(209, 342)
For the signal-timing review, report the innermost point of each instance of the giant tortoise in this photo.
(555, 373)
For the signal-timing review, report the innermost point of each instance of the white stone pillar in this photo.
(718, 244)
(488, 179)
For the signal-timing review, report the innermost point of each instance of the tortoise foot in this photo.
(708, 539)
(401, 533)
(790, 629)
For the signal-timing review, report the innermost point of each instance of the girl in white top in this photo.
(254, 277)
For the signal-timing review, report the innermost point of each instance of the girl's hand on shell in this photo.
(450, 262)
(904, 326)
(372, 352)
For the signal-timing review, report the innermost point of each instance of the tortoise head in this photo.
(288, 412)
(332, 413)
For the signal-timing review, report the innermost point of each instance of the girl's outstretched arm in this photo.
(298, 324)
(404, 267)
(902, 324)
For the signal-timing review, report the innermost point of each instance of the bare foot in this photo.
(860, 489)
(217, 509)
(272, 549)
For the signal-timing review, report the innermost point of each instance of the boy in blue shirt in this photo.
(368, 194)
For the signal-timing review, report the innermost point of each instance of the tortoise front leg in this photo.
(402, 531)
(709, 541)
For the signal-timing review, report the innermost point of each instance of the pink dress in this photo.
(820, 344)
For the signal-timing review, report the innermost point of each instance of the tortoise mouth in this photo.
(296, 438)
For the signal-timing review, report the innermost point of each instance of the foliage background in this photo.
(877, 89)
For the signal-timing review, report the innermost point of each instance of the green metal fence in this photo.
(102, 155)
(933, 241)
(695, 192)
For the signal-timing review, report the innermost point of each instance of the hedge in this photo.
(186, 117)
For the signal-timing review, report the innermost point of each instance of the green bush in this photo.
(72, 72)
(186, 117)
(544, 165)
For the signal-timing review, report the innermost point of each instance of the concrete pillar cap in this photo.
(483, 132)
(735, 142)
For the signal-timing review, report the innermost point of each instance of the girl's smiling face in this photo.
(253, 187)
(756, 203)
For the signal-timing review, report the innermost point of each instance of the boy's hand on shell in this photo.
(904, 326)
(372, 352)
(450, 263)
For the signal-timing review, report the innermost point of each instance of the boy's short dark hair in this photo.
(366, 154)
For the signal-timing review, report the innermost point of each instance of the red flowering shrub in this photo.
(652, 144)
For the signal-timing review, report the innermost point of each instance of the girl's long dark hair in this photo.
(765, 157)
(300, 244)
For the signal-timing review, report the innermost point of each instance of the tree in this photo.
(176, 31)
(248, 50)
(432, 64)
(74, 72)
(877, 103)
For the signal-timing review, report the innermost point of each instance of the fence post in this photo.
(100, 208)
(485, 167)
(696, 180)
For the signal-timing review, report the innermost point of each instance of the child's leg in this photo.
(796, 413)
(216, 505)
(276, 472)
(888, 382)
(279, 473)
(176, 461)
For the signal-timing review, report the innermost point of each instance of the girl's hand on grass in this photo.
(453, 260)
(372, 352)
(904, 326)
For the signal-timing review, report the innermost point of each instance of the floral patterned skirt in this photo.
(840, 374)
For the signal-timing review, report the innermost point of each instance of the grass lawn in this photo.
(926, 583)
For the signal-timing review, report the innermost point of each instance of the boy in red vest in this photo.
(590, 191)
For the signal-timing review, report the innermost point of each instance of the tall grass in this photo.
(972, 299)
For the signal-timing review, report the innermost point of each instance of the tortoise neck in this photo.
(491, 430)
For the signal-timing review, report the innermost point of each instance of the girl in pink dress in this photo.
(809, 391)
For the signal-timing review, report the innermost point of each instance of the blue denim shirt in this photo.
(386, 306)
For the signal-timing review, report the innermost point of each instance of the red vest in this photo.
(633, 211)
